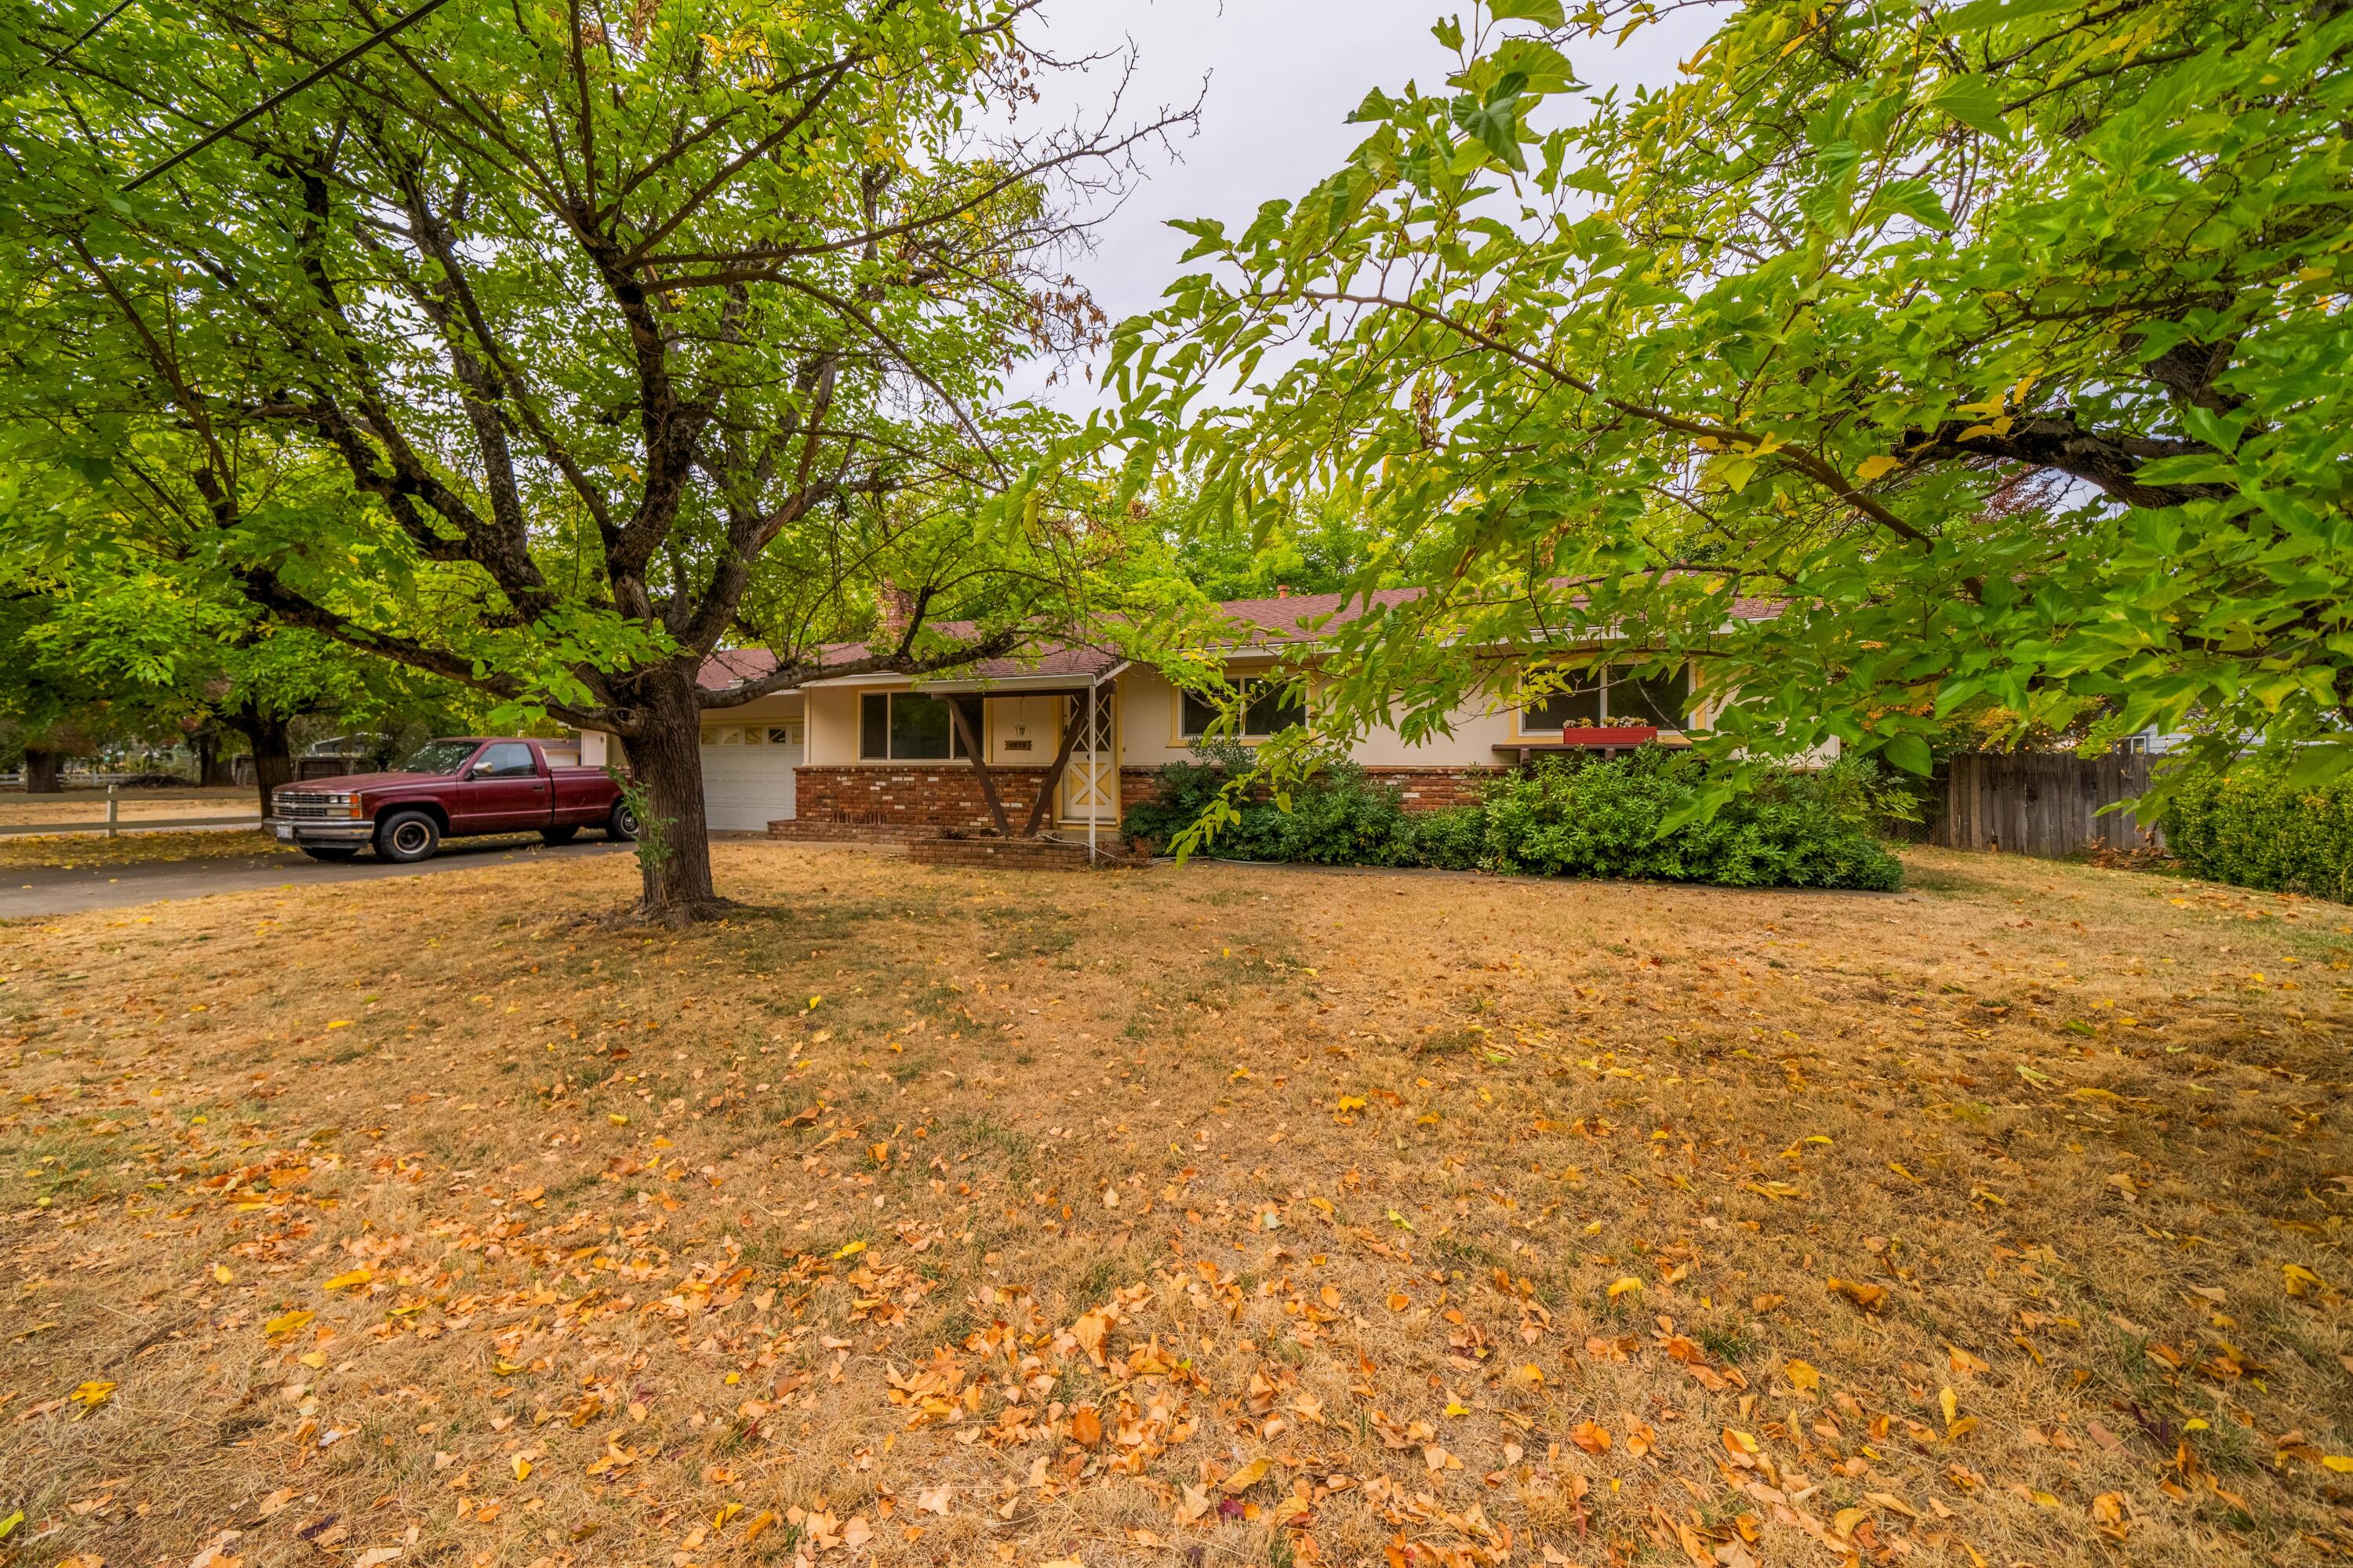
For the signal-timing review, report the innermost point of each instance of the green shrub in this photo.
(1587, 817)
(1451, 839)
(1576, 817)
(1339, 817)
(2251, 827)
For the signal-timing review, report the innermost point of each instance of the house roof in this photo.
(1289, 616)
(1060, 662)
(1285, 618)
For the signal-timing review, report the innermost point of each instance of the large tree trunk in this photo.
(665, 760)
(212, 773)
(273, 753)
(41, 772)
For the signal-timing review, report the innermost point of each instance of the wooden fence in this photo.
(2044, 804)
(114, 824)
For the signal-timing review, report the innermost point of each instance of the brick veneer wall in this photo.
(1434, 788)
(907, 800)
(902, 800)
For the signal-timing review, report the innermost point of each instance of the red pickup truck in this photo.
(449, 788)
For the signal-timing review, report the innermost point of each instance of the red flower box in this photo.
(1607, 735)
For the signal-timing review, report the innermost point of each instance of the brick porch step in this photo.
(812, 830)
(1024, 854)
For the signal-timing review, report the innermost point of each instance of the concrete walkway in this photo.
(66, 890)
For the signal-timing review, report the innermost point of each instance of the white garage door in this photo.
(747, 774)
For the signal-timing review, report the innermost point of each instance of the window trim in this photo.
(1607, 672)
(775, 732)
(1246, 736)
(957, 752)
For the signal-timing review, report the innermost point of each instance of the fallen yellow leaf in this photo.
(1246, 1477)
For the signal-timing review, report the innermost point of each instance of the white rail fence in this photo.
(114, 825)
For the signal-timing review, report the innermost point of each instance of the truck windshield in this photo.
(438, 756)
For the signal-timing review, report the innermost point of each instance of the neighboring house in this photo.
(887, 756)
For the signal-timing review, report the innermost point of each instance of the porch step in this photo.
(1024, 854)
(812, 830)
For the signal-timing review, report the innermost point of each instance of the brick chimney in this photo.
(1282, 590)
(898, 607)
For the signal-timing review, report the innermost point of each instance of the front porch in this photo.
(893, 803)
(1016, 757)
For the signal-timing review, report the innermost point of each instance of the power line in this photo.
(275, 99)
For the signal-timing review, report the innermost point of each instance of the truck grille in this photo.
(306, 805)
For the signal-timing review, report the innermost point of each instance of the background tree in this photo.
(549, 350)
(49, 714)
(124, 642)
(1803, 327)
(1311, 543)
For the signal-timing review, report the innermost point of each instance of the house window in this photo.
(908, 726)
(1612, 697)
(1268, 708)
(783, 735)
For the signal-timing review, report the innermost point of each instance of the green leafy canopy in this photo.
(1995, 350)
(552, 350)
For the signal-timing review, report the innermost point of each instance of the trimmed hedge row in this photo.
(1567, 816)
(2251, 827)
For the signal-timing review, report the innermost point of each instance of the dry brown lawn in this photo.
(37, 850)
(1213, 1216)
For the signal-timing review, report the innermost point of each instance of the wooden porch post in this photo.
(979, 765)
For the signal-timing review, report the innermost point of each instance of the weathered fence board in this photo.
(2044, 804)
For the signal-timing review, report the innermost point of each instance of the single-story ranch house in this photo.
(887, 756)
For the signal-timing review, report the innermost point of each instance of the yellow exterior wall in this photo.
(1152, 709)
(832, 725)
(1149, 716)
(1023, 732)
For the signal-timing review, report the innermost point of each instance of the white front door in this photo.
(1090, 780)
(747, 773)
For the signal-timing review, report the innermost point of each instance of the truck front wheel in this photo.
(408, 837)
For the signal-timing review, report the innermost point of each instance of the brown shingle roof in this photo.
(1283, 619)
(729, 665)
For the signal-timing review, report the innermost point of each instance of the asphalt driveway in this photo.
(66, 890)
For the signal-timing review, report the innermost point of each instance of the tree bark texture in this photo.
(212, 773)
(665, 759)
(273, 752)
(42, 769)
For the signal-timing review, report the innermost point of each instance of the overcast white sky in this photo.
(1283, 75)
